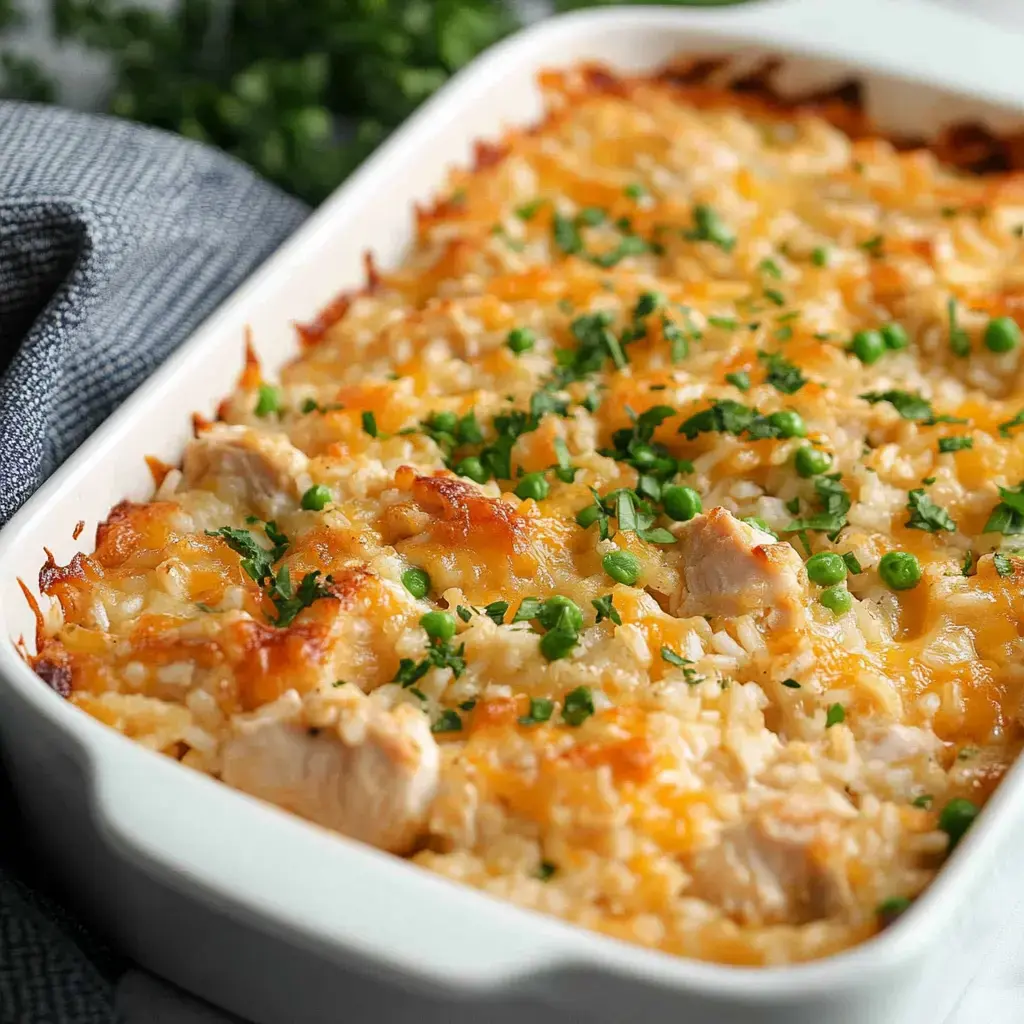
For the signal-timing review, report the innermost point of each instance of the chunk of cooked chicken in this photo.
(766, 872)
(350, 764)
(731, 568)
(265, 472)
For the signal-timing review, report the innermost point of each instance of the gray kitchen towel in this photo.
(115, 242)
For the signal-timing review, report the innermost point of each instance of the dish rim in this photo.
(772, 24)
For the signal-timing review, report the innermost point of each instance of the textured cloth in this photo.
(115, 242)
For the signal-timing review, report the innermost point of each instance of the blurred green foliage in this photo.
(300, 89)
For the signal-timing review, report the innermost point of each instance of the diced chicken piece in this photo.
(732, 568)
(765, 872)
(265, 472)
(370, 772)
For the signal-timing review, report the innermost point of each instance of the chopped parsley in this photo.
(495, 611)
(463, 613)
(728, 417)
(677, 660)
(268, 400)
(370, 424)
(909, 406)
(968, 564)
(724, 323)
(783, 375)
(540, 711)
(874, 246)
(577, 706)
(709, 227)
(545, 870)
(566, 234)
(1003, 564)
(955, 444)
(530, 210)
(771, 268)
(835, 715)
(774, 296)
(1008, 425)
(740, 379)
(835, 503)
(926, 515)
(606, 610)
(564, 470)
(635, 191)
(959, 340)
(258, 564)
(447, 721)
(791, 683)
(853, 565)
(1007, 517)
(923, 801)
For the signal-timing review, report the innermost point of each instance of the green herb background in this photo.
(302, 90)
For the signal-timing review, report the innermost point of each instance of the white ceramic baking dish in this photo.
(269, 916)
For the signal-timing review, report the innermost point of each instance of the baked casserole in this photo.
(641, 551)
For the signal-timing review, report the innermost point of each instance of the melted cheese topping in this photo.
(723, 766)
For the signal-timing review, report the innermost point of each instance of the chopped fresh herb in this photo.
(968, 564)
(577, 706)
(727, 416)
(677, 660)
(959, 340)
(874, 245)
(923, 801)
(853, 565)
(257, 562)
(566, 235)
(606, 610)
(740, 379)
(268, 400)
(565, 471)
(771, 268)
(463, 613)
(1003, 564)
(447, 721)
(628, 245)
(889, 910)
(592, 402)
(709, 227)
(370, 424)
(955, 444)
(1008, 425)
(724, 323)
(540, 711)
(288, 602)
(1007, 517)
(774, 296)
(339, 682)
(835, 714)
(467, 705)
(591, 216)
(783, 375)
(635, 191)
(545, 870)
(820, 256)
(495, 611)
(909, 406)
(926, 515)
(783, 333)
(793, 506)
(791, 683)
(529, 609)
(530, 210)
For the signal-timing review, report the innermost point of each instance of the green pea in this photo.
(868, 346)
(895, 336)
(520, 339)
(416, 581)
(681, 503)
(557, 644)
(836, 599)
(316, 498)
(561, 612)
(586, 517)
(1002, 334)
(956, 818)
(788, 423)
(438, 625)
(810, 461)
(269, 400)
(533, 485)
(474, 469)
(900, 570)
(622, 566)
(826, 568)
(445, 422)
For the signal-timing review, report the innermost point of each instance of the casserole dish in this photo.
(135, 805)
